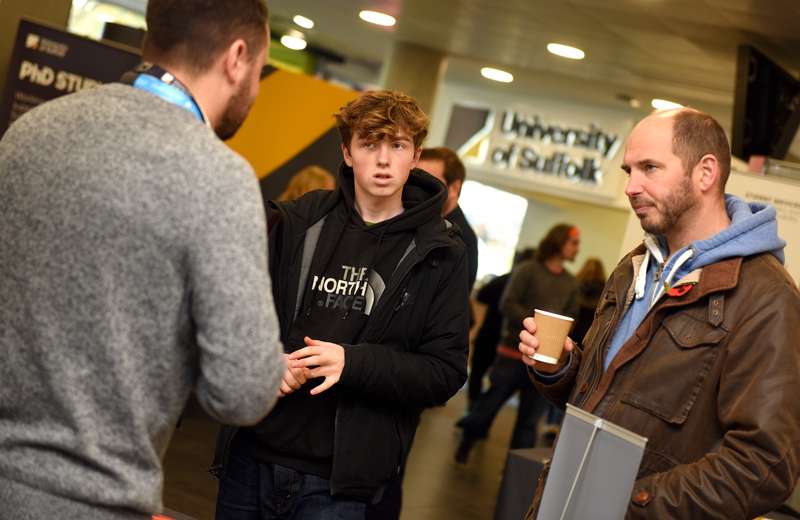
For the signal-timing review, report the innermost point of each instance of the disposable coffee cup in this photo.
(551, 331)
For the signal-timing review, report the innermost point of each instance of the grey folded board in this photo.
(593, 470)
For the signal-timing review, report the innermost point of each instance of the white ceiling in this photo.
(679, 49)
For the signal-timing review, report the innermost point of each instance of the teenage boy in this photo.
(371, 290)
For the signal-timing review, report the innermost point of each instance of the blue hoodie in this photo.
(753, 230)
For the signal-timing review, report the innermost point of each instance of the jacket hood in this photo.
(423, 198)
(753, 230)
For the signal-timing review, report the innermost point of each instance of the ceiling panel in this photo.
(680, 47)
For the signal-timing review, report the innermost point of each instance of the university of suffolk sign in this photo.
(525, 142)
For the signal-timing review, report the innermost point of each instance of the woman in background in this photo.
(308, 179)
(591, 280)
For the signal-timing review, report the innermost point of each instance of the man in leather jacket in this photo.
(694, 343)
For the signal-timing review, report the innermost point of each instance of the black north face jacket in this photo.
(411, 354)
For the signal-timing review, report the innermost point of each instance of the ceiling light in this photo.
(377, 18)
(296, 43)
(302, 21)
(497, 75)
(664, 104)
(565, 51)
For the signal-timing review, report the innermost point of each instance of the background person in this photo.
(488, 336)
(133, 270)
(444, 164)
(541, 283)
(694, 341)
(308, 179)
(591, 280)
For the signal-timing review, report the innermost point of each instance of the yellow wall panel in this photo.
(291, 112)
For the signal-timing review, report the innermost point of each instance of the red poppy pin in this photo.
(680, 290)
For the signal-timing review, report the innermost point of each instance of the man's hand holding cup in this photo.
(543, 341)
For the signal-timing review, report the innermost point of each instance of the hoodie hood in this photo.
(423, 198)
(753, 230)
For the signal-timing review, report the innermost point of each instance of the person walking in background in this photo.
(694, 344)
(541, 283)
(308, 179)
(591, 280)
(371, 291)
(133, 270)
(488, 336)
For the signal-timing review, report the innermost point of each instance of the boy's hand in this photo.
(319, 359)
(293, 378)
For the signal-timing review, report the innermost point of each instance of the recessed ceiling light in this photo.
(377, 18)
(296, 43)
(664, 104)
(497, 75)
(565, 51)
(302, 21)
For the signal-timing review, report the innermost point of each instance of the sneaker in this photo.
(463, 449)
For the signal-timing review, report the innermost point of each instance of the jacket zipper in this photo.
(333, 455)
(597, 360)
(400, 276)
(597, 363)
(597, 373)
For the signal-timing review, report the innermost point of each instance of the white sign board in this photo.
(535, 144)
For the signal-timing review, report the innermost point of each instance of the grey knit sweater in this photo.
(132, 271)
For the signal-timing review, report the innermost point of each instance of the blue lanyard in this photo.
(169, 92)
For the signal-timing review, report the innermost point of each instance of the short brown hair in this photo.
(194, 32)
(377, 114)
(453, 167)
(553, 242)
(695, 134)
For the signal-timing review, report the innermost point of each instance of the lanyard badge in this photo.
(156, 80)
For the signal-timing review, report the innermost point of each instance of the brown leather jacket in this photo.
(711, 378)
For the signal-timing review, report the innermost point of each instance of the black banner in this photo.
(49, 62)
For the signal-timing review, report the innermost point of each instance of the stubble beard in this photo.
(670, 210)
(235, 113)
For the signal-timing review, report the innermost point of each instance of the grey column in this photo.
(415, 70)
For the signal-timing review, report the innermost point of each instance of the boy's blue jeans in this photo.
(250, 490)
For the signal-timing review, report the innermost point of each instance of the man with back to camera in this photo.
(137, 270)
(444, 164)
(371, 292)
(694, 341)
